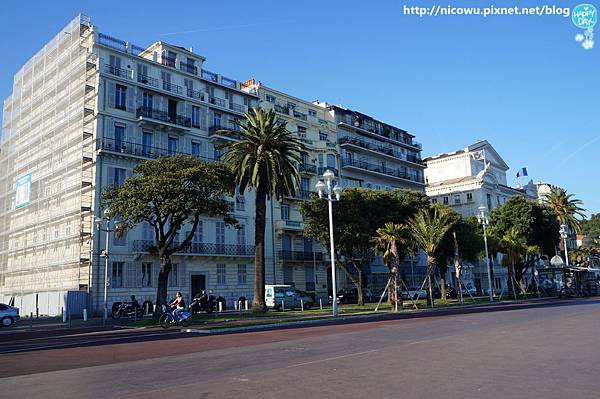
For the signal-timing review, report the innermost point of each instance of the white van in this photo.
(286, 297)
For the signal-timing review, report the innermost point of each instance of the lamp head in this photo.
(107, 214)
(320, 186)
(328, 176)
(337, 190)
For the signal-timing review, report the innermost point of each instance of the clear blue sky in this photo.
(521, 82)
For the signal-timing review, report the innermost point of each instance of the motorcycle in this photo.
(208, 305)
(126, 309)
(567, 292)
(169, 318)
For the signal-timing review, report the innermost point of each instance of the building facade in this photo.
(88, 107)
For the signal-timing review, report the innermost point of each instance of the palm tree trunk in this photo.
(430, 266)
(443, 271)
(258, 302)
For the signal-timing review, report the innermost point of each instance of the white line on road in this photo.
(332, 358)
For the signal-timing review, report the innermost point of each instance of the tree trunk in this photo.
(430, 269)
(258, 302)
(511, 286)
(163, 281)
(443, 271)
(361, 299)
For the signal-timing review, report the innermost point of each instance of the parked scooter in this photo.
(131, 308)
(203, 303)
(170, 318)
(567, 292)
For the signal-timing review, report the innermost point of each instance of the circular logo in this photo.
(584, 16)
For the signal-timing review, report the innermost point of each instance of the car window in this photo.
(289, 293)
(279, 293)
(3, 306)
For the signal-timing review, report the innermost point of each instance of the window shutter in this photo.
(130, 133)
(130, 99)
(111, 93)
(155, 271)
(203, 113)
(182, 276)
(131, 280)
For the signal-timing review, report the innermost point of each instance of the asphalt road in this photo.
(545, 352)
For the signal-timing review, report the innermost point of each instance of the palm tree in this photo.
(427, 228)
(515, 244)
(388, 238)
(264, 159)
(566, 208)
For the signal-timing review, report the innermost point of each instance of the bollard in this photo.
(220, 306)
(246, 304)
(64, 315)
(321, 303)
(282, 305)
(240, 306)
(301, 305)
(84, 314)
(31, 321)
(235, 304)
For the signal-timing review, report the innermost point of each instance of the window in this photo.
(196, 149)
(147, 101)
(434, 201)
(469, 197)
(301, 129)
(497, 283)
(331, 161)
(221, 274)
(489, 201)
(285, 212)
(198, 233)
(271, 99)
(121, 97)
(309, 278)
(146, 274)
(119, 136)
(456, 199)
(174, 275)
(312, 112)
(220, 232)
(304, 186)
(196, 116)
(217, 119)
(445, 200)
(172, 145)
(117, 275)
(322, 136)
(241, 235)
(240, 202)
(291, 105)
(116, 176)
(498, 200)
(146, 142)
(288, 275)
(242, 275)
(147, 231)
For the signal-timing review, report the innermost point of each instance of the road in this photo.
(548, 351)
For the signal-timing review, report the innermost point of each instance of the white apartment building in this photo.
(462, 181)
(88, 107)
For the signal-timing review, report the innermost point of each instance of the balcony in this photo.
(219, 102)
(213, 77)
(299, 115)
(200, 249)
(120, 72)
(378, 169)
(168, 61)
(145, 113)
(237, 107)
(289, 225)
(147, 80)
(214, 131)
(200, 95)
(189, 68)
(379, 149)
(322, 169)
(282, 109)
(300, 256)
(386, 133)
(307, 168)
(168, 86)
(138, 150)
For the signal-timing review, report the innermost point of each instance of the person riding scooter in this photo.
(178, 305)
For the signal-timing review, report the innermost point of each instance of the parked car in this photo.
(350, 295)
(414, 293)
(9, 315)
(282, 297)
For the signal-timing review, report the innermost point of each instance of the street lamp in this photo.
(563, 234)
(104, 254)
(482, 217)
(332, 193)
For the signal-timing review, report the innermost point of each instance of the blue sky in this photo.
(522, 83)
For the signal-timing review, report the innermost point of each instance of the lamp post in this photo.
(564, 235)
(332, 193)
(482, 217)
(104, 254)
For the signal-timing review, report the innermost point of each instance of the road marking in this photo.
(332, 358)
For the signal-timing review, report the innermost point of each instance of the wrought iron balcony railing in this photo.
(304, 256)
(200, 248)
(189, 68)
(163, 116)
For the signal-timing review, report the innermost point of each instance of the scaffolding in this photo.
(48, 134)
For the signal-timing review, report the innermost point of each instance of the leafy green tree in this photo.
(264, 159)
(388, 239)
(356, 219)
(591, 227)
(428, 228)
(514, 244)
(169, 193)
(566, 208)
